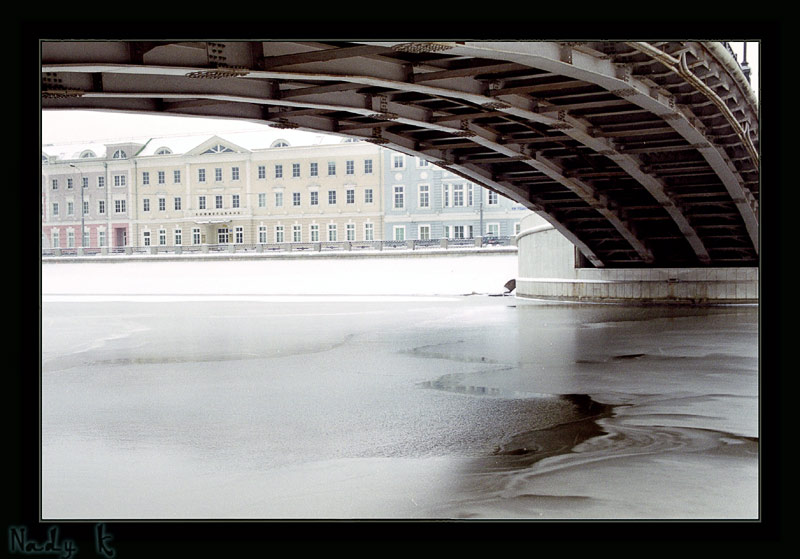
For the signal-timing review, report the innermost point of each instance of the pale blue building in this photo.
(425, 202)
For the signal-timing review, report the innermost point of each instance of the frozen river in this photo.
(421, 407)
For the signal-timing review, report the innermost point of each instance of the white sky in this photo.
(65, 127)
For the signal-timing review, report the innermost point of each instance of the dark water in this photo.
(463, 407)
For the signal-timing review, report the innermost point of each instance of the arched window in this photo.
(280, 144)
(119, 154)
(87, 154)
(219, 148)
(163, 151)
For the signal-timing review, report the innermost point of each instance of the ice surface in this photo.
(217, 390)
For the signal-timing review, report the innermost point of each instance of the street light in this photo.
(83, 213)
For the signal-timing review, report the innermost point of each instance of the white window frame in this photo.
(424, 232)
(424, 196)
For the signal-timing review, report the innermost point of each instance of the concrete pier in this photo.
(547, 270)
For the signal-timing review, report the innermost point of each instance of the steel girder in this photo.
(641, 154)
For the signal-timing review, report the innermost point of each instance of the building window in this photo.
(295, 198)
(296, 234)
(350, 167)
(119, 206)
(70, 239)
(279, 199)
(493, 199)
(55, 184)
(201, 175)
(176, 176)
(70, 208)
(234, 200)
(195, 235)
(458, 195)
(368, 196)
(493, 229)
(218, 201)
(119, 180)
(218, 174)
(399, 232)
(146, 238)
(399, 197)
(69, 184)
(85, 182)
(239, 235)
(178, 237)
(332, 232)
(517, 226)
(398, 161)
(235, 173)
(177, 203)
(424, 196)
(350, 231)
(458, 231)
(446, 195)
(161, 177)
(262, 234)
(262, 199)
(101, 206)
(145, 178)
(278, 171)
(85, 207)
(368, 166)
(350, 196)
(424, 232)
(422, 162)
(331, 168)
(331, 197)
(162, 237)
(469, 193)
(223, 236)
(279, 233)
(262, 171)
(296, 170)
(313, 170)
(315, 233)
(101, 238)
(119, 154)
(162, 204)
(314, 198)
(145, 204)
(101, 182)
(55, 209)
(201, 202)
(56, 240)
(369, 232)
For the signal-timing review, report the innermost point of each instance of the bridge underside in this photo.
(641, 154)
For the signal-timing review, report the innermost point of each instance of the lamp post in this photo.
(82, 211)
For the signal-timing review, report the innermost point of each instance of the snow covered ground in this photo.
(370, 276)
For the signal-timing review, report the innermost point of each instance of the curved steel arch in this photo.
(642, 154)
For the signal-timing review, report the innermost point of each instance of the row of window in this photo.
(456, 199)
(235, 200)
(225, 236)
(278, 172)
(453, 196)
(119, 207)
(118, 180)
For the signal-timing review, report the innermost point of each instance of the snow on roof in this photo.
(180, 144)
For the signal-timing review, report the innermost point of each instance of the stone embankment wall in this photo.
(547, 271)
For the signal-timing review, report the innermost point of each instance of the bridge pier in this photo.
(547, 270)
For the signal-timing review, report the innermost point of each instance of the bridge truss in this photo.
(641, 154)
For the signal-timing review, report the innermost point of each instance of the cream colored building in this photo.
(219, 192)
